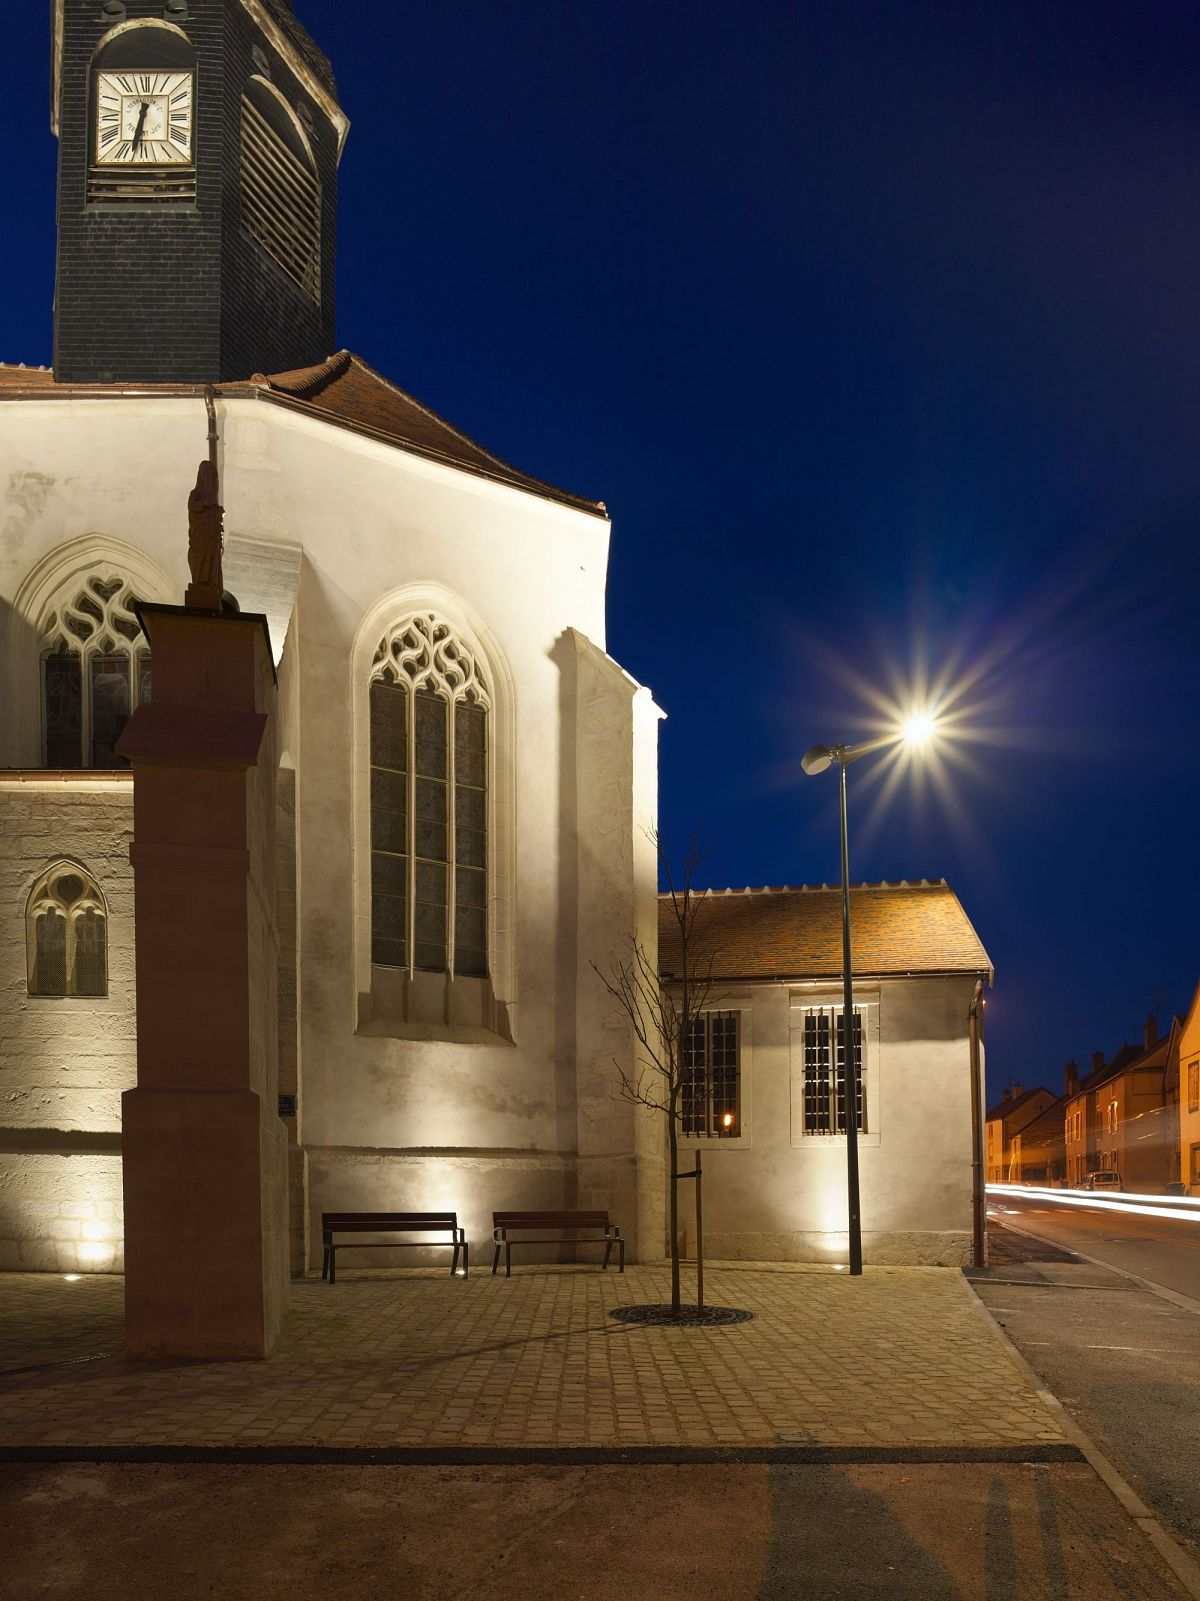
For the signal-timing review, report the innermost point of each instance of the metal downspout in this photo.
(978, 1216)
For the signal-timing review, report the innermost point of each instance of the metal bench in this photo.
(506, 1224)
(391, 1223)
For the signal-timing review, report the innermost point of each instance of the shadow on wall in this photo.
(19, 728)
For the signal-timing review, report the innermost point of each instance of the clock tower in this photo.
(197, 191)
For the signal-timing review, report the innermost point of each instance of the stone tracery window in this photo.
(429, 705)
(66, 929)
(95, 670)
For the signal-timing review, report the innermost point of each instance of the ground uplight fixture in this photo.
(916, 731)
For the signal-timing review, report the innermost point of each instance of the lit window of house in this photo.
(711, 1100)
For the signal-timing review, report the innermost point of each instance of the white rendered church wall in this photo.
(371, 520)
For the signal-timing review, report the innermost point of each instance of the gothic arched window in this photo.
(95, 670)
(429, 707)
(66, 933)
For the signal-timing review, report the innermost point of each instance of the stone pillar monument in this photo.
(205, 1154)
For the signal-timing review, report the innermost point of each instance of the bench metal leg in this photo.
(325, 1257)
(496, 1257)
(466, 1265)
(508, 1259)
(332, 1262)
(621, 1252)
(454, 1260)
(608, 1245)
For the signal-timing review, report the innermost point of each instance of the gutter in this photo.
(975, 1058)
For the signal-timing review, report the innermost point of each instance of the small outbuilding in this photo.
(763, 1092)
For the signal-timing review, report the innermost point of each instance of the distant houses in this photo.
(1136, 1114)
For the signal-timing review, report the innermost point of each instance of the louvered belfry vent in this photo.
(132, 186)
(281, 201)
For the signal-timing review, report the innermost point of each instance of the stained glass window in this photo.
(95, 670)
(428, 711)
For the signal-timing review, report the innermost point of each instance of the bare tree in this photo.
(662, 1009)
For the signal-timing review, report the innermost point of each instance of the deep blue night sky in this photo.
(876, 327)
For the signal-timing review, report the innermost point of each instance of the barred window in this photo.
(429, 757)
(711, 1088)
(95, 670)
(66, 933)
(825, 1072)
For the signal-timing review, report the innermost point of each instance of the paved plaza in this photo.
(903, 1357)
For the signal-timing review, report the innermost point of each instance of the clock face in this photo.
(143, 118)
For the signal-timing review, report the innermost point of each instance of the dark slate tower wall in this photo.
(179, 294)
(268, 324)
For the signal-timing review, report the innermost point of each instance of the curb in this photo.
(1176, 1558)
(544, 1456)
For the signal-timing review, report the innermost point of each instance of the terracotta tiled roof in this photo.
(344, 391)
(790, 933)
(1014, 1104)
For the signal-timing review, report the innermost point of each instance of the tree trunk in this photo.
(674, 1149)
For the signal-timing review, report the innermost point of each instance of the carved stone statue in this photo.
(205, 521)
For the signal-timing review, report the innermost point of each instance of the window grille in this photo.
(95, 670)
(429, 755)
(825, 1072)
(67, 934)
(281, 198)
(711, 1085)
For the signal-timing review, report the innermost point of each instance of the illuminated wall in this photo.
(64, 1060)
(775, 1193)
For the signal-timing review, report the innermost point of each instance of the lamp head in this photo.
(816, 760)
(918, 729)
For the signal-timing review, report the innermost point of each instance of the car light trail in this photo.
(1183, 1208)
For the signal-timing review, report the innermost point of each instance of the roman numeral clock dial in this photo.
(143, 119)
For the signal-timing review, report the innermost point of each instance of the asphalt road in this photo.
(1164, 1250)
(1124, 1361)
(902, 1532)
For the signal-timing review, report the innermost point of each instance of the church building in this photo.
(464, 783)
(311, 865)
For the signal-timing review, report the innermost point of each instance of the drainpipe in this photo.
(974, 1041)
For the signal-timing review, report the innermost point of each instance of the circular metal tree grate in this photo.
(691, 1317)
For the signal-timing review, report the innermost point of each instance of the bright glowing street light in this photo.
(917, 731)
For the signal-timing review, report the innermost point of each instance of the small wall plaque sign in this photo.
(287, 1106)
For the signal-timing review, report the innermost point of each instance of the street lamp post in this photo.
(916, 731)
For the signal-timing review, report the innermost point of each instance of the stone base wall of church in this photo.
(64, 1060)
(471, 1184)
(60, 1214)
(948, 1248)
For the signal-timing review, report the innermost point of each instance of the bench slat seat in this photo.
(391, 1223)
(566, 1227)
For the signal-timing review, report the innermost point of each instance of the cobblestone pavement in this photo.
(899, 1357)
